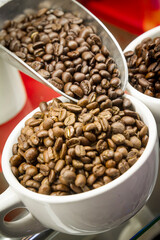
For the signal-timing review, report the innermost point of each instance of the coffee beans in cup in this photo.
(144, 67)
(67, 148)
(63, 50)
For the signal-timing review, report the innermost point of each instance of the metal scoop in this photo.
(9, 9)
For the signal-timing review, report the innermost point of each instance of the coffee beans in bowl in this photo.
(68, 162)
(142, 56)
(68, 148)
(63, 50)
(144, 66)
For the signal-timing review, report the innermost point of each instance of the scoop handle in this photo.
(24, 226)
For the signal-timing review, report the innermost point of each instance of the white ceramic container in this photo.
(152, 103)
(86, 213)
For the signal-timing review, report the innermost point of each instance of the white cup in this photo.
(12, 92)
(152, 103)
(85, 213)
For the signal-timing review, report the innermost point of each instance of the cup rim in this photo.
(131, 46)
(13, 182)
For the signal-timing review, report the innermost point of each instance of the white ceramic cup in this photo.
(152, 103)
(12, 92)
(86, 213)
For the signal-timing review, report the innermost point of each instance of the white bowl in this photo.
(85, 213)
(152, 103)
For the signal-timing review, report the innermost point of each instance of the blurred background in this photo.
(127, 18)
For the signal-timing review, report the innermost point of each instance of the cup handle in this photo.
(26, 225)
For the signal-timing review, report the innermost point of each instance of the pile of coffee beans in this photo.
(63, 50)
(144, 67)
(68, 148)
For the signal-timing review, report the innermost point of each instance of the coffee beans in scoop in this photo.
(63, 50)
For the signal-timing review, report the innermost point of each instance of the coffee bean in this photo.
(77, 164)
(30, 155)
(16, 160)
(80, 151)
(73, 142)
(57, 82)
(86, 87)
(72, 107)
(58, 132)
(118, 127)
(123, 166)
(32, 183)
(69, 132)
(67, 177)
(76, 90)
(45, 74)
(80, 180)
(98, 170)
(113, 172)
(127, 120)
(136, 142)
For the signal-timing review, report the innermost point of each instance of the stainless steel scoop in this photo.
(9, 9)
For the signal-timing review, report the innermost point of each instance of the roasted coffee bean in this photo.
(70, 120)
(43, 106)
(67, 177)
(136, 142)
(127, 120)
(77, 164)
(75, 189)
(72, 107)
(48, 123)
(80, 180)
(110, 164)
(91, 179)
(15, 149)
(58, 144)
(31, 171)
(69, 132)
(107, 154)
(57, 82)
(90, 136)
(101, 146)
(123, 166)
(76, 90)
(15, 171)
(113, 172)
(30, 155)
(80, 151)
(118, 156)
(98, 170)
(117, 127)
(58, 132)
(16, 160)
(86, 87)
(32, 183)
(118, 139)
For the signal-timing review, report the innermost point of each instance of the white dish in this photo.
(86, 213)
(152, 103)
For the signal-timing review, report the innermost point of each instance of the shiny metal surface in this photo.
(12, 8)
